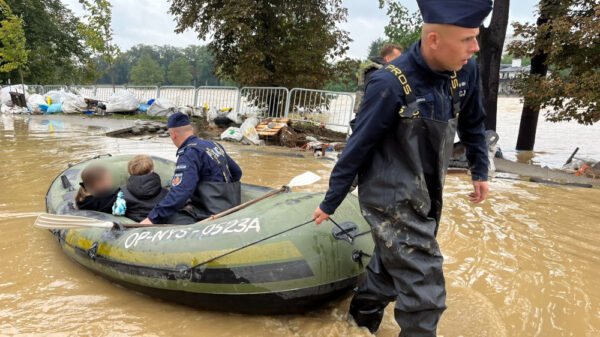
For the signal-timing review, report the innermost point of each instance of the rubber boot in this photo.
(367, 313)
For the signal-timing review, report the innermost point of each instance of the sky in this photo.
(148, 22)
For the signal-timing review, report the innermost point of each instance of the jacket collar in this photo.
(417, 57)
(187, 141)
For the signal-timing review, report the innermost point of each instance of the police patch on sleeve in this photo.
(177, 179)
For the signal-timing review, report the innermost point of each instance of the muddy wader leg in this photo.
(407, 265)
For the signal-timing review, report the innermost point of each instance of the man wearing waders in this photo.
(400, 148)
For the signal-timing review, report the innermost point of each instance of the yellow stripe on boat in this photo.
(271, 252)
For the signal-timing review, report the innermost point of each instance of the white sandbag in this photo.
(73, 104)
(13, 109)
(232, 134)
(34, 101)
(251, 137)
(122, 101)
(56, 96)
(248, 130)
(161, 107)
(5, 93)
(234, 117)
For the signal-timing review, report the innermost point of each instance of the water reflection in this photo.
(523, 264)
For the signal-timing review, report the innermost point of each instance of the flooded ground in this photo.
(554, 141)
(525, 263)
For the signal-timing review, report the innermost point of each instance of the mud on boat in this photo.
(289, 273)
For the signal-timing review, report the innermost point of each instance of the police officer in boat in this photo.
(400, 148)
(206, 180)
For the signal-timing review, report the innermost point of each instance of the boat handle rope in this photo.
(350, 239)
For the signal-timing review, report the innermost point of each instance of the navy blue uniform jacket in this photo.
(384, 97)
(194, 165)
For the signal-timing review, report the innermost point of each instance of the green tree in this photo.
(57, 54)
(404, 27)
(147, 72)
(269, 42)
(566, 38)
(13, 54)
(180, 72)
(97, 31)
(375, 48)
(201, 61)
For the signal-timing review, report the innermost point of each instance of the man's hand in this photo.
(320, 216)
(146, 222)
(480, 192)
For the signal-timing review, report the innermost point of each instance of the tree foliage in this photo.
(375, 47)
(97, 31)
(570, 40)
(57, 53)
(147, 72)
(404, 27)
(269, 42)
(13, 53)
(179, 72)
(201, 68)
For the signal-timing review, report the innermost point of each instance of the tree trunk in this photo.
(491, 40)
(22, 82)
(531, 110)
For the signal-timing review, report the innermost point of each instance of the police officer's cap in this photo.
(463, 13)
(178, 119)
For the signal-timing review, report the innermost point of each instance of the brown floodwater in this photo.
(524, 263)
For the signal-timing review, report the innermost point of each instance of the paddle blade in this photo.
(304, 179)
(55, 221)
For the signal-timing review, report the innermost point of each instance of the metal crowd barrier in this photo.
(334, 109)
(87, 91)
(143, 93)
(36, 89)
(179, 95)
(48, 88)
(219, 98)
(103, 93)
(263, 102)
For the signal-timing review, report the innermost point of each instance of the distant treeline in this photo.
(161, 65)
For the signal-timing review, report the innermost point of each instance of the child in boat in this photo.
(96, 192)
(142, 192)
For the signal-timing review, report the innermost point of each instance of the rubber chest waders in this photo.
(400, 195)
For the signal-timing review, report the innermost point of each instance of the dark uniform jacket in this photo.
(198, 161)
(141, 194)
(381, 110)
(101, 203)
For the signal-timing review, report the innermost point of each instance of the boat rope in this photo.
(348, 235)
(249, 244)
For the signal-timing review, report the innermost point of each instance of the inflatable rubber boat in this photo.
(282, 266)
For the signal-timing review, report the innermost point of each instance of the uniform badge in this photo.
(177, 179)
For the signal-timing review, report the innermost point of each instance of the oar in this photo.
(306, 178)
(55, 221)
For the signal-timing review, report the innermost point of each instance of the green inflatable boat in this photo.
(282, 268)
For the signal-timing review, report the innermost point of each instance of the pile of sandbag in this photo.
(36, 103)
(122, 101)
(246, 133)
(6, 104)
(73, 104)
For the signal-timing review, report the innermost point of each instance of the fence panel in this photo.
(334, 109)
(179, 95)
(218, 98)
(263, 102)
(103, 93)
(87, 91)
(35, 89)
(55, 87)
(143, 93)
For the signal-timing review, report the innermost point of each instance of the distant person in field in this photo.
(388, 53)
